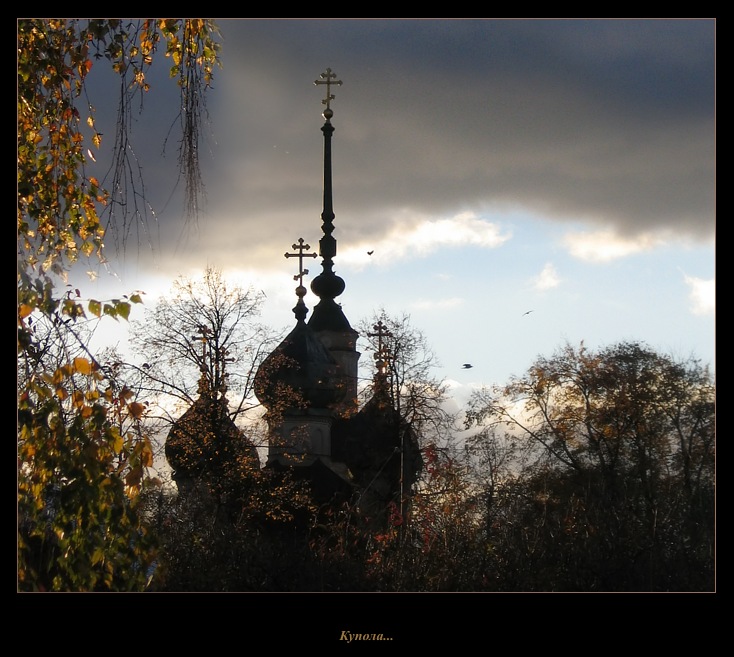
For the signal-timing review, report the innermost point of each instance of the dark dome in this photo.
(299, 373)
(205, 442)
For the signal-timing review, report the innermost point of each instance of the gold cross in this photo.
(300, 255)
(382, 352)
(326, 78)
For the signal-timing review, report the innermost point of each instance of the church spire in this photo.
(327, 285)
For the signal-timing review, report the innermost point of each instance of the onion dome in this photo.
(204, 443)
(300, 373)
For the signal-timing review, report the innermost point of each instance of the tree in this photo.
(82, 458)
(206, 328)
(403, 352)
(611, 498)
(193, 350)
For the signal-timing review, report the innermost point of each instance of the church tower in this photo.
(328, 320)
(310, 379)
(308, 385)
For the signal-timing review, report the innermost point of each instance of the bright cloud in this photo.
(547, 279)
(462, 230)
(425, 236)
(604, 246)
(702, 295)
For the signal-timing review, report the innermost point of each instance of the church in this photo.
(367, 457)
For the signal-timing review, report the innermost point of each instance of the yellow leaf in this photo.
(82, 366)
(117, 442)
(24, 310)
(97, 556)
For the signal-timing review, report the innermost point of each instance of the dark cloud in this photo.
(609, 122)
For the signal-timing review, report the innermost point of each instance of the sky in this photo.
(492, 166)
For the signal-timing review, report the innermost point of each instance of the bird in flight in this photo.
(528, 312)
(467, 366)
(370, 252)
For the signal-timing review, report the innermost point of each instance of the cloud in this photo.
(609, 123)
(547, 279)
(448, 132)
(606, 245)
(702, 295)
(415, 236)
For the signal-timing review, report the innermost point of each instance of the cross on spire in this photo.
(381, 354)
(327, 79)
(204, 332)
(301, 247)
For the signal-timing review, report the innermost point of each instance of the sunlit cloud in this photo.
(702, 295)
(418, 237)
(605, 246)
(547, 279)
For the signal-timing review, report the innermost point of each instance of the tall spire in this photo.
(327, 285)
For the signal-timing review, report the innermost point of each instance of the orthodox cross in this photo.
(220, 373)
(382, 351)
(301, 247)
(326, 78)
(204, 338)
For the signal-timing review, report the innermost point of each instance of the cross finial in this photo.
(382, 352)
(300, 247)
(327, 79)
(204, 339)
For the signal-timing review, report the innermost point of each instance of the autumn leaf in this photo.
(82, 366)
(123, 309)
(117, 441)
(136, 410)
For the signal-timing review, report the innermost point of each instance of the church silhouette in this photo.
(367, 457)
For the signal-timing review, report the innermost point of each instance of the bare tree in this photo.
(404, 354)
(206, 328)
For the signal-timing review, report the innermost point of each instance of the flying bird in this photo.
(467, 366)
(528, 312)
(370, 252)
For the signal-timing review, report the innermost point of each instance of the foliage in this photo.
(513, 510)
(82, 459)
(619, 494)
(443, 526)
(253, 541)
